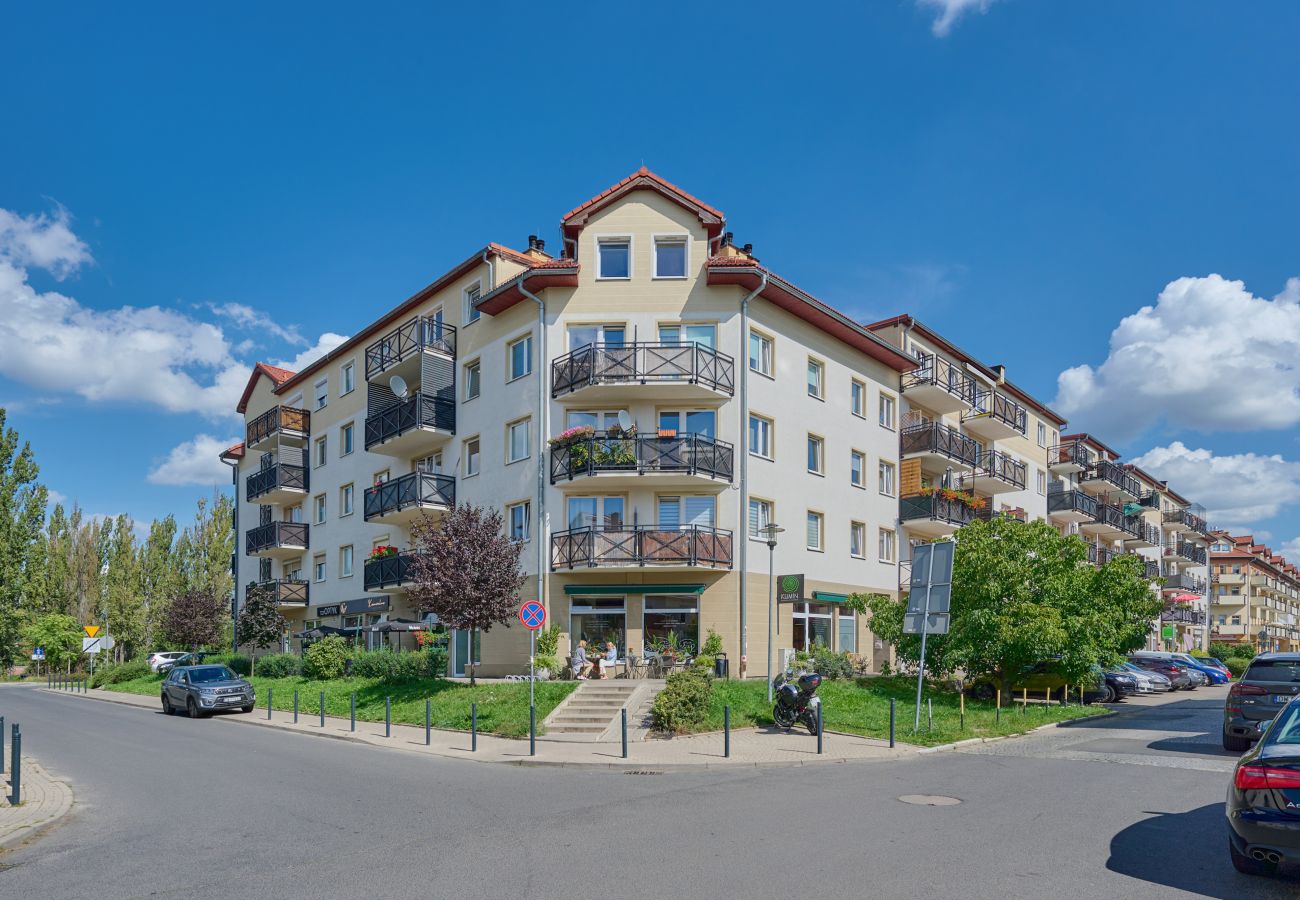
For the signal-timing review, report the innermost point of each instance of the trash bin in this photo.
(720, 665)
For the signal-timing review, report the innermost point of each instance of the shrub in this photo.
(1220, 650)
(712, 644)
(1236, 665)
(684, 702)
(127, 671)
(1198, 653)
(830, 665)
(325, 658)
(390, 666)
(279, 665)
(238, 662)
(548, 641)
(549, 663)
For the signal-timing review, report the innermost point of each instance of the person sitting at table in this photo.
(610, 660)
(581, 665)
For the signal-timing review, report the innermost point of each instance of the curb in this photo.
(1002, 737)
(62, 806)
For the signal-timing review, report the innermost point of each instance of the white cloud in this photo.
(1209, 356)
(43, 240)
(1237, 490)
(1291, 550)
(55, 496)
(949, 11)
(194, 462)
(243, 316)
(327, 342)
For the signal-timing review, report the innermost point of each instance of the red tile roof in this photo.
(542, 275)
(642, 178)
(278, 375)
(235, 451)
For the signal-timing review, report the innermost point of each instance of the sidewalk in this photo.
(44, 801)
(749, 747)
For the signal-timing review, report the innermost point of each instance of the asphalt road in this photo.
(1129, 807)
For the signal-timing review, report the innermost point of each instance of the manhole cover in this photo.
(929, 800)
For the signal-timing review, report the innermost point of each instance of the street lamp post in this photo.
(770, 531)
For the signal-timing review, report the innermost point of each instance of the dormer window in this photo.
(614, 257)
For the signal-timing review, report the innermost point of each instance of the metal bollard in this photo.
(892, 703)
(269, 692)
(322, 709)
(2, 745)
(295, 706)
(473, 727)
(963, 710)
(819, 729)
(624, 725)
(388, 717)
(929, 714)
(726, 731)
(16, 767)
(353, 726)
(428, 723)
(532, 730)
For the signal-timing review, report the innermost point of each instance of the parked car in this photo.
(1044, 676)
(1263, 805)
(1179, 680)
(1213, 673)
(1121, 684)
(1148, 682)
(1193, 666)
(168, 657)
(1211, 661)
(1267, 685)
(202, 690)
(185, 659)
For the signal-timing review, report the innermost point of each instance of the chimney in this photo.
(537, 248)
(1001, 372)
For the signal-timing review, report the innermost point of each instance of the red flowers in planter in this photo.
(952, 495)
(383, 552)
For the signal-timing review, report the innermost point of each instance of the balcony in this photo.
(1069, 458)
(996, 473)
(932, 515)
(390, 574)
(651, 371)
(1107, 477)
(399, 501)
(412, 426)
(642, 546)
(1186, 551)
(281, 540)
(1183, 615)
(939, 386)
(1145, 536)
(1110, 522)
(401, 351)
(938, 446)
(1150, 569)
(279, 423)
(1229, 578)
(1099, 556)
(285, 592)
(1070, 505)
(995, 417)
(1184, 520)
(987, 513)
(278, 484)
(1181, 582)
(689, 460)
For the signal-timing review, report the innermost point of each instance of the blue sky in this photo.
(184, 191)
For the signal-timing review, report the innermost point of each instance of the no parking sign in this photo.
(532, 614)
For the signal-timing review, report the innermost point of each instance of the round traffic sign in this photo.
(532, 614)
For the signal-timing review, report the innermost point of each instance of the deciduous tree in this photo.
(260, 623)
(194, 618)
(58, 635)
(22, 515)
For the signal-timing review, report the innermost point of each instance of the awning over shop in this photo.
(828, 597)
(606, 589)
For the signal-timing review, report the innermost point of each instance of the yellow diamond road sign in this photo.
(92, 630)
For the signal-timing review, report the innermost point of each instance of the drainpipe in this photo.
(743, 530)
(542, 362)
(492, 270)
(234, 574)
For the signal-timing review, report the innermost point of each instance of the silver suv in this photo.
(1264, 689)
(202, 690)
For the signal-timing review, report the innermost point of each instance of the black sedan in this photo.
(1121, 685)
(202, 690)
(1264, 800)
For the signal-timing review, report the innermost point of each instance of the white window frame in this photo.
(820, 517)
(1042, 434)
(472, 312)
(763, 503)
(892, 487)
(510, 358)
(614, 239)
(465, 452)
(816, 364)
(321, 393)
(320, 451)
(319, 509)
(817, 442)
(771, 438)
(862, 470)
(764, 340)
(859, 530)
(881, 535)
(1040, 481)
(528, 520)
(319, 568)
(858, 387)
(344, 430)
(348, 554)
(893, 411)
(349, 368)
(347, 499)
(669, 238)
(526, 422)
(473, 364)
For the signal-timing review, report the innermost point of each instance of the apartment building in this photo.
(640, 408)
(1256, 594)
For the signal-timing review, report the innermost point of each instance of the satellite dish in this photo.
(624, 420)
(398, 384)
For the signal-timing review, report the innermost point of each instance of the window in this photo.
(858, 468)
(671, 614)
(886, 411)
(471, 457)
(1236, 620)
(596, 335)
(760, 516)
(1041, 477)
(858, 540)
(517, 441)
(614, 258)
(471, 297)
(760, 436)
(760, 354)
(670, 257)
(381, 478)
(320, 456)
(848, 632)
(703, 422)
(816, 451)
(886, 545)
(318, 567)
(886, 477)
(816, 377)
(704, 335)
(812, 625)
(345, 561)
(815, 524)
(521, 358)
(346, 495)
(858, 398)
(346, 434)
(473, 375)
(596, 512)
(1042, 435)
(349, 378)
(318, 509)
(517, 521)
(676, 512)
(322, 393)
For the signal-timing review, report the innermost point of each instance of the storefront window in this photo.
(665, 615)
(848, 632)
(598, 621)
(812, 625)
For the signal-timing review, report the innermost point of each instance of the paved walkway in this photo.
(43, 801)
(749, 747)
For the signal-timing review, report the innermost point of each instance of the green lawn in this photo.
(862, 707)
(502, 706)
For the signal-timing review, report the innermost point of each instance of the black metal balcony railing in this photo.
(936, 372)
(988, 513)
(1115, 518)
(277, 475)
(642, 545)
(279, 419)
(1002, 467)
(1189, 551)
(412, 489)
(643, 363)
(931, 437)
(688, 454)
(389, 571)
(992, 405)
(1060, 499)
(1181, 581)
(1184, 615)
(1099, 556)
(419, 334)
(287, 591)
(1109, 472)
(275, 534)
(1075, 452)
(1144, 532)
(417, 411)
(935, 506)
(1150, 569)
(1188, 518)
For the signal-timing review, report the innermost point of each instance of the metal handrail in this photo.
(642, 545)
(689, 454)
(1060, 499)
(934, 506)
(931, 437)
(1076, 452)
(385, 571)
(277, 475)
(275, 534)
(992, 405)
(999, 465)
(642, 363)
(411, 489)
(940, 373)
(1105, 470)
(414, 336)
(419, 410)
(278, 418)
(284, 590)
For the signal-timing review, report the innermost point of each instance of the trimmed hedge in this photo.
(326, 658)
(279, 665)
(683, 704)
(393, 666)
(127, 671)
(1236, 665)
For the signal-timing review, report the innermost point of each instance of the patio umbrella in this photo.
(320, 631)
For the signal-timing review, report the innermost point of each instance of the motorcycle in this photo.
(797, 702)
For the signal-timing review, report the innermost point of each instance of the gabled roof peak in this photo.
(277, 375)
(642, 179)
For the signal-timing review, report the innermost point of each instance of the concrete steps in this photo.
(592, 712)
